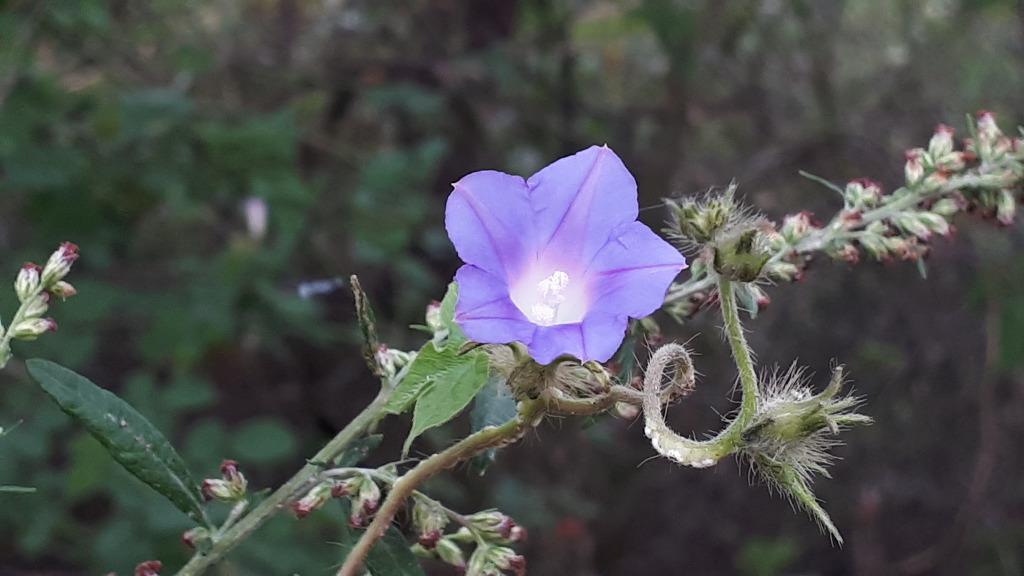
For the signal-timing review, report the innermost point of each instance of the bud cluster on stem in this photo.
(36, 286)
(984, 176)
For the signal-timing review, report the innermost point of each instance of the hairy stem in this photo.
(740, 353)
(675, 358)
(402, 488)
(246, 525)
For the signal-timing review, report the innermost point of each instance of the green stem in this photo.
(403, 487)
(284, 495)
(741, 354)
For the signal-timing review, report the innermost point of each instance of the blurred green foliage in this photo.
(139, 130)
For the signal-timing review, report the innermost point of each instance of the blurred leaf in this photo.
(494, 406)
(129, 438)
(447, 392)
(262, 441)
(358, 451)
(390, 557)
(766, 557)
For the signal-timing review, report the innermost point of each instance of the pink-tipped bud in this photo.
(28, 281)
(796, 226)
(149, 568)
(33, 328)
(198, 537)
(62, 290)
(913, 170)
(313, 500)
(216, 489)
(941, 143)
(59, 264)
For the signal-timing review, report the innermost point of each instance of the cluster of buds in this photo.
(360, 489)
(491, 531)
(231, 487)
(36, 286)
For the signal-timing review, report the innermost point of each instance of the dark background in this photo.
(139, 129)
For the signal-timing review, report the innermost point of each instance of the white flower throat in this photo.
(550, 299)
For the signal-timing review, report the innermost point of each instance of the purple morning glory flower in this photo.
(558, 261)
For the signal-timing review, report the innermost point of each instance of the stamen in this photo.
(552, 295)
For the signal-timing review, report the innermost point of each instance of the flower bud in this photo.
(946, 207)
(430, 520)
(313, 500)
(934, 222)
(913, 170)
(229, 470)
(497, 527)
(741, 258)
(910, 224)
(844, 251)
(873, 246)
(862, 193)
(33, 328)
(198, 538)
(59, 264)
(796, 226)
(988, 134)
(1006, 207)
(36, 306)
(507, 559)
(451, 553)
(28, 281)
(784, 272)
(62, 290)
(217, 489)
(149, 568)
(941, 143)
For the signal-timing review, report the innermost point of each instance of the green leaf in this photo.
(431, 360)
(129, 438)
(428, 362)
(456, 337)
(390, 557)
(448, 391)
(494, 406)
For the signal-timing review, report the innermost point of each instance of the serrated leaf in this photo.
(494, 405)
(389, 557)
(447, 392)
(129, 438)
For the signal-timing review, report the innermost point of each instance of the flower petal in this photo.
(602, 335)
(632, 271)
(577, 200)
(550, 342)
(484, 310)
(489, 220)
